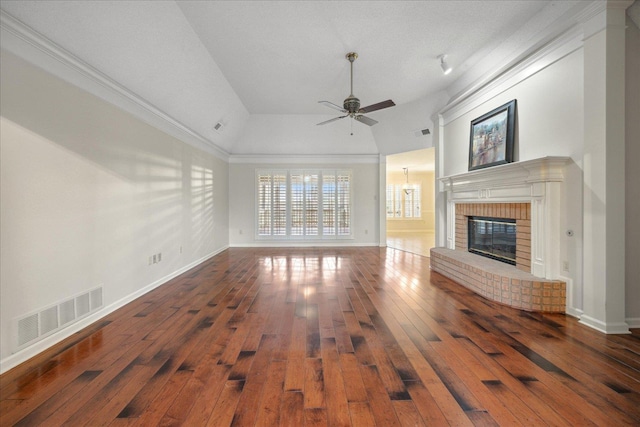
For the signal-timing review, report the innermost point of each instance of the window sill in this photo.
(303, 238)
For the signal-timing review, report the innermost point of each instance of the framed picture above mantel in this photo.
(492, 137)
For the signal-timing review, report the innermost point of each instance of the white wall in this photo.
(119, 39)
(549, 117)
(632, 140)
(242, 199)
(88, 193)
(549, 123)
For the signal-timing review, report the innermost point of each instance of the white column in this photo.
(440, 194)
(604, 174)
(382, 191)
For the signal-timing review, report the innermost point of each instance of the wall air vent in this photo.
(67, 311)
(35, 326)
(421, 132)
(27, 329)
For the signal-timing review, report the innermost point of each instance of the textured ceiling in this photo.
(283, 57)
(203, 62)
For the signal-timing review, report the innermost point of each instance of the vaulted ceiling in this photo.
(260, 68)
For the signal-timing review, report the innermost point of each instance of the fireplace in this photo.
(492, 238)
(518, 232)
(501, 192)
(529, 192)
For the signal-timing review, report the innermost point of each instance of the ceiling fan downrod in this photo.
(351, 103)
(352, 56)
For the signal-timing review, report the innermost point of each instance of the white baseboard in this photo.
(575, 312)
(27, 353)
(570, 309)
(604, 327)
(420, 231)
(290, 244)
(633, 322)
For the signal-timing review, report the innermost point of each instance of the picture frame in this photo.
(492, 137)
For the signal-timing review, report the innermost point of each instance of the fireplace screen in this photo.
(493, 237)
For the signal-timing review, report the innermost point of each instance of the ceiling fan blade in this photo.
(366, 120)
(375, 107)
(332, 120)
(332, 105)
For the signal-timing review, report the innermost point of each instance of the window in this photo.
(401, 204)
(299, 204)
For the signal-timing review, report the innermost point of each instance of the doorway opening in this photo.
(410, 206)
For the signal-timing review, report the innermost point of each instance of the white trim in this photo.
(575, 312)
(414, 231)
(32, 46)
(538, 182)
(40, 346)
(607, 328)
(382, 200)
(570, 293)
(304, 244)
(321, 173)
(301, 159)
(633, 322)
(477, 184)
(512, 74)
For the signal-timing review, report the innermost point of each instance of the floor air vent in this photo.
(36, 326)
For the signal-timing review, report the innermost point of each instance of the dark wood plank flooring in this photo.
(326, 337)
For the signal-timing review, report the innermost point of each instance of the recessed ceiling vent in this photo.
(37, 325)
(218, 127)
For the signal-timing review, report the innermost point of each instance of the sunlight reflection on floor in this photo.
(417, 243)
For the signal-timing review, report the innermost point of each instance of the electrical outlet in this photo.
(565, 265)
(159, 256)
(150, 260)
(155, 258)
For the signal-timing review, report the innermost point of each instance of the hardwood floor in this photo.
(419, 243)
(326, 337)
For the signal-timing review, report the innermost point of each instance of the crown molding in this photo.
(577, 28)
(23, 41)
(530, 63)
(312, 159)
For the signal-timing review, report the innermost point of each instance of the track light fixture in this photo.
(446, 69)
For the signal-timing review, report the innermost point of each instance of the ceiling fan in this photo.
(351, 104)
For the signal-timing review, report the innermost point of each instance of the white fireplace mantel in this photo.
(538, 182)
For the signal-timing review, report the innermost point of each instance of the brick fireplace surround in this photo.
(521, 212)
(528, 192)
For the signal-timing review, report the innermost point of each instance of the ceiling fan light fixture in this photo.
(351, 105)
(446, 68)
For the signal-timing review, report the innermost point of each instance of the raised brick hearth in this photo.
(500, 282)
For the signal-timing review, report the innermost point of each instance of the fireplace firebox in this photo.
(493, 238)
